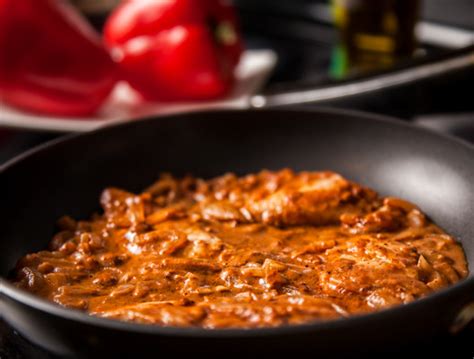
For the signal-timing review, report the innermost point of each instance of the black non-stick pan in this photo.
(67, 176)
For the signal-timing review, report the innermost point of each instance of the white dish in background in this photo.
(124, 104)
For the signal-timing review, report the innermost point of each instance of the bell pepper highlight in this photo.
(171, 50)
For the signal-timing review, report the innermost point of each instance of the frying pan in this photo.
(67, 176)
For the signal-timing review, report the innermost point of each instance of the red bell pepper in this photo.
(51, 61)
(175, 49)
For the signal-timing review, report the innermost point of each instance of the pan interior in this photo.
(430, 170)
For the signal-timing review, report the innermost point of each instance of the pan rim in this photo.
(326, 110)
(25, 298)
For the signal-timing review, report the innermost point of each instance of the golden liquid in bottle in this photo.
(376, 33)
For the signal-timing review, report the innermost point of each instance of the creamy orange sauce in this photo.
(261, 250)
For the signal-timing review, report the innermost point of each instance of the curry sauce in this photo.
(261, 250)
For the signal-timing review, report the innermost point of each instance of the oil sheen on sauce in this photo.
(266, 249)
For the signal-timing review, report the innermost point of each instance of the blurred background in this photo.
(328, 44)
(316, 44)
